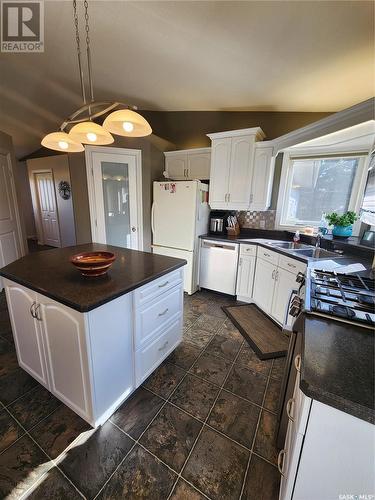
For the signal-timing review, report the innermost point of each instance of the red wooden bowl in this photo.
(93, 263)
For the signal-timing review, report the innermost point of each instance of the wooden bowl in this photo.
(93, 263)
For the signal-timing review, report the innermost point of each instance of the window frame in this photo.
(356, 196)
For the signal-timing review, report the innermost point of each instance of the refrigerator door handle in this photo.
(152, 218)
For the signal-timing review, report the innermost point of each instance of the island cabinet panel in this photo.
(67, 354)
(148, 358)
(26, 331)
(152, 318)
(112, 355)
(92, 361)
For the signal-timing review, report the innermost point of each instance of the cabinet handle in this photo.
(228, 196)
(266, 254)
(276, 275)
(32, 312)
(240, 261)
(161, 348)
(38, 317)
(291, 265)
(164, 312)
(273, 274)
(164, 284)
(280, 461)
(289, 409)
(297, 362)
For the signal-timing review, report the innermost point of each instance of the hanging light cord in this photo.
(79, 51)
(88, 52)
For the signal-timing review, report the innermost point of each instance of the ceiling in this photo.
(215, 55)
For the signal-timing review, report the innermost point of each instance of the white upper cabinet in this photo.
(188, 164)
(232, 166)
(261, 185)
(219, 175)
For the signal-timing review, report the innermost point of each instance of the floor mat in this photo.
(261, 333)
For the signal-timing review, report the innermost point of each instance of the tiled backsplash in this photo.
(257, 220)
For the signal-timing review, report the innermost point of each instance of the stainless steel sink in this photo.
(316, 253)
(289, 245)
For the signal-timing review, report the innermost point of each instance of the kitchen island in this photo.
(93, 341)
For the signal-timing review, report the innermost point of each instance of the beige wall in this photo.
(80, 197)
(25, 202)
(188, 129)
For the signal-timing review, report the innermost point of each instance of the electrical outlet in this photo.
(262, 224)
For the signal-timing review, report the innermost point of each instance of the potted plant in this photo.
(342, 224)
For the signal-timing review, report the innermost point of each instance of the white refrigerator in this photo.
(179, 214)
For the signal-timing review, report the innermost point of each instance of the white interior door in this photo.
(10, 249)
(48, 208)
(115, 194)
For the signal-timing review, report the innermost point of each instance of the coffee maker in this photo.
(218, 222)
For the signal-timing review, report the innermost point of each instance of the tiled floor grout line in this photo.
(200, 420)
(22, 427)
(53, 461)
(140, 436)
(224, 388)
(19, 397)
(205, 421)
(153, 454)
(255, 433)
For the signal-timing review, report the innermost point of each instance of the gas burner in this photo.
(348, 298)
(343, 311)
(365, 300)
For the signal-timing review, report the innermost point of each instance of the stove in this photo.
(343, 297)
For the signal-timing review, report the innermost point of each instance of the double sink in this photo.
(301, 249)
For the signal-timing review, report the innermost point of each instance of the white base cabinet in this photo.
(328, 454)
(274, 282)
(90, 361)
(245, 272)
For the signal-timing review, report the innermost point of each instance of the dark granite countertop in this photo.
(338, 366)
(50, 273)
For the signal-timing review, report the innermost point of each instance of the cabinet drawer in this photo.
(291, 265)
(248, 250)
(153, 317)
(157, 287)
(268, 255)
(149, 357)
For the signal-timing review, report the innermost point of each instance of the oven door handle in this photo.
(292, 292)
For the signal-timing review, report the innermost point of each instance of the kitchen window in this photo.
(316, 185)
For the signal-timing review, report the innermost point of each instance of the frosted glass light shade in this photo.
(119, 123)
(90, 133)
(61, 141)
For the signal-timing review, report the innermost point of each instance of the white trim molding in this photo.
(257, 131)
(354, 115)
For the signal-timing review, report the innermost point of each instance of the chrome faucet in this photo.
(318, 240)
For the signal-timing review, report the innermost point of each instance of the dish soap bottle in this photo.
(296, 237)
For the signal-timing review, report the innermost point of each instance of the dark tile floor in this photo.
(202, 426)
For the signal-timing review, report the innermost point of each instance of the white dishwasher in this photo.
(218, 266)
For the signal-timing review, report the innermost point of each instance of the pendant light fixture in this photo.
(84, 130)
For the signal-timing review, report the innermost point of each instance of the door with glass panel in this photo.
(115, 196)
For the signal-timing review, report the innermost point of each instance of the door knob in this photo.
(134, 229)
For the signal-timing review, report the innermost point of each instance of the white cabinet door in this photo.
(261, 184)
(264, 284)
(66, 350)
(245, 278)
(241, 165)
(26, 331)
(199, 166)
(285, 282)
(176, 166)
(219, 174)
